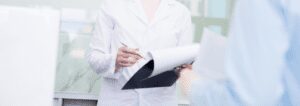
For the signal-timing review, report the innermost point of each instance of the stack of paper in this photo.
(168, 59)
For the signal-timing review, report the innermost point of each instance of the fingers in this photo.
(187, 66)
(127, 57)
(126, 62)
(128, 52)
(183, 68)
(123, 55)
(129, 60)
(131, 51)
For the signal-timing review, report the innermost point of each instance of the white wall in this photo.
(28, 48)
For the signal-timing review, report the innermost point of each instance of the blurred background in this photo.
(75, 83)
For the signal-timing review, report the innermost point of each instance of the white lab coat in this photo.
(124, 21)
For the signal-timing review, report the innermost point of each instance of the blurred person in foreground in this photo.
(262, 64)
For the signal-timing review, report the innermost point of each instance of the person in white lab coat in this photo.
(126, 29)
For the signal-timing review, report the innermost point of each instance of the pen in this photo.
(124, 44)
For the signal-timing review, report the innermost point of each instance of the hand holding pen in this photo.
(127, 57)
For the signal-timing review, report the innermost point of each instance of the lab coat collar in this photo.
(162, 11)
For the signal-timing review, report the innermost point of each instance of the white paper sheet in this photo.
(28, 43)
(168, 59)
(210, 59)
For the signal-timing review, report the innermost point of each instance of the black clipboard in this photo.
(142, 79)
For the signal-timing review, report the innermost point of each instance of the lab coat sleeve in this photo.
(100, 56)
(185, 36)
